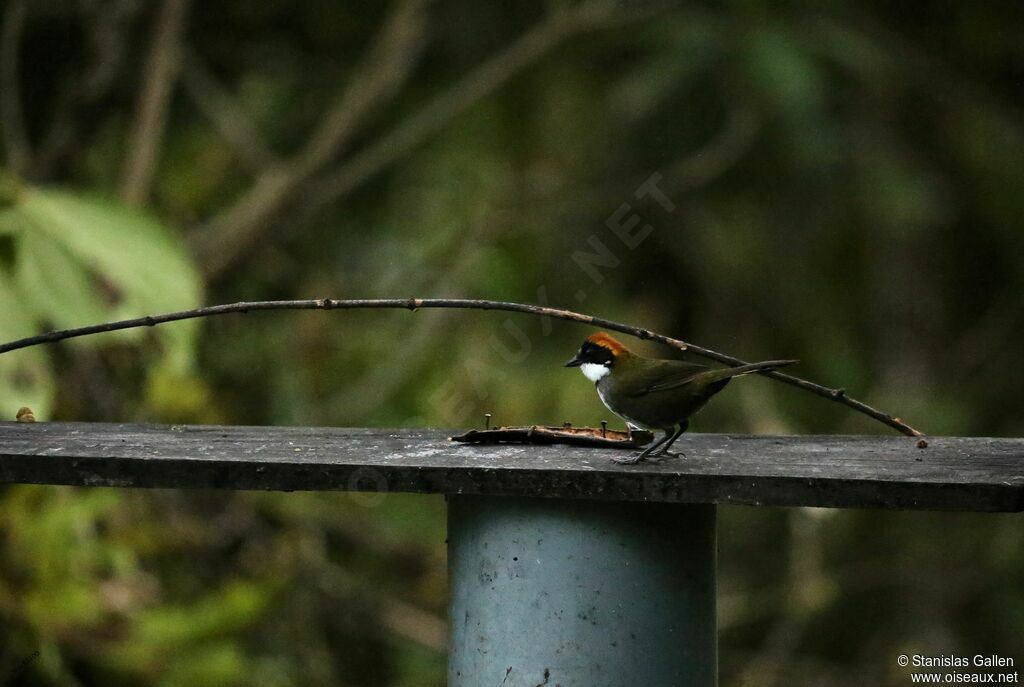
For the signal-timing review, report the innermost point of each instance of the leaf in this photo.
(72, 260)
(158, 634)
(784, 70)
(59, 288)
(56, 552)
(180, 397)
(84, 260)
(25, 376)
(11, 221)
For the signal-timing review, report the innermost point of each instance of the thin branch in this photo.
(719, 155)
(804, 583)
(246, 230)
(19, 152)
(459, 97)
(389, 63)
(837, 395)
(109, 25)
(229, 235)
(227, 116)
(159, 76)
(385, 380)
(406, 620)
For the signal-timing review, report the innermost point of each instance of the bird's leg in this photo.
(664, 449)
(633, 460)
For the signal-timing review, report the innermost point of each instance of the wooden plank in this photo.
(953, 473)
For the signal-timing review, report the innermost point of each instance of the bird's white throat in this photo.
(593, 371)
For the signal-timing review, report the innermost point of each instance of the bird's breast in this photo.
(607, 396)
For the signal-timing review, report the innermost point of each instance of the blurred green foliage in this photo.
(74, 260)
(845, 181)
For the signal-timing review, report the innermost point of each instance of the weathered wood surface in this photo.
(970, 474)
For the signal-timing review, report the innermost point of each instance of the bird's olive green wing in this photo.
(651, 376)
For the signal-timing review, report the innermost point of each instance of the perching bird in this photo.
(653, 394)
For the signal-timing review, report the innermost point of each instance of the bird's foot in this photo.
(671, 454)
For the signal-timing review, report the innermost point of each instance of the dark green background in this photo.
(847, 188)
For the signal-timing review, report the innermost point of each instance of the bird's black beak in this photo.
(575, 362)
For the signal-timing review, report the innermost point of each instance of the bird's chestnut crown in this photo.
(598, 349)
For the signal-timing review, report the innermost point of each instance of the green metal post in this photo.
(581, 593)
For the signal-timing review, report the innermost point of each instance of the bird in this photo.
(652, 393)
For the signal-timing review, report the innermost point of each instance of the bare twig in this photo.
(423, 627)
(245, 229)
(158, 80)
(837, 395)
(384, 380)
(19, 152)
(227, 116)
(805, 591)
(403, 619)
(109, 25)
(719, 155)
(458, 98)
(230, 234)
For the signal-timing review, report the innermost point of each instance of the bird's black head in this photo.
(599, 349)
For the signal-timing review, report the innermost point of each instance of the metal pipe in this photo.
(580, 593)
